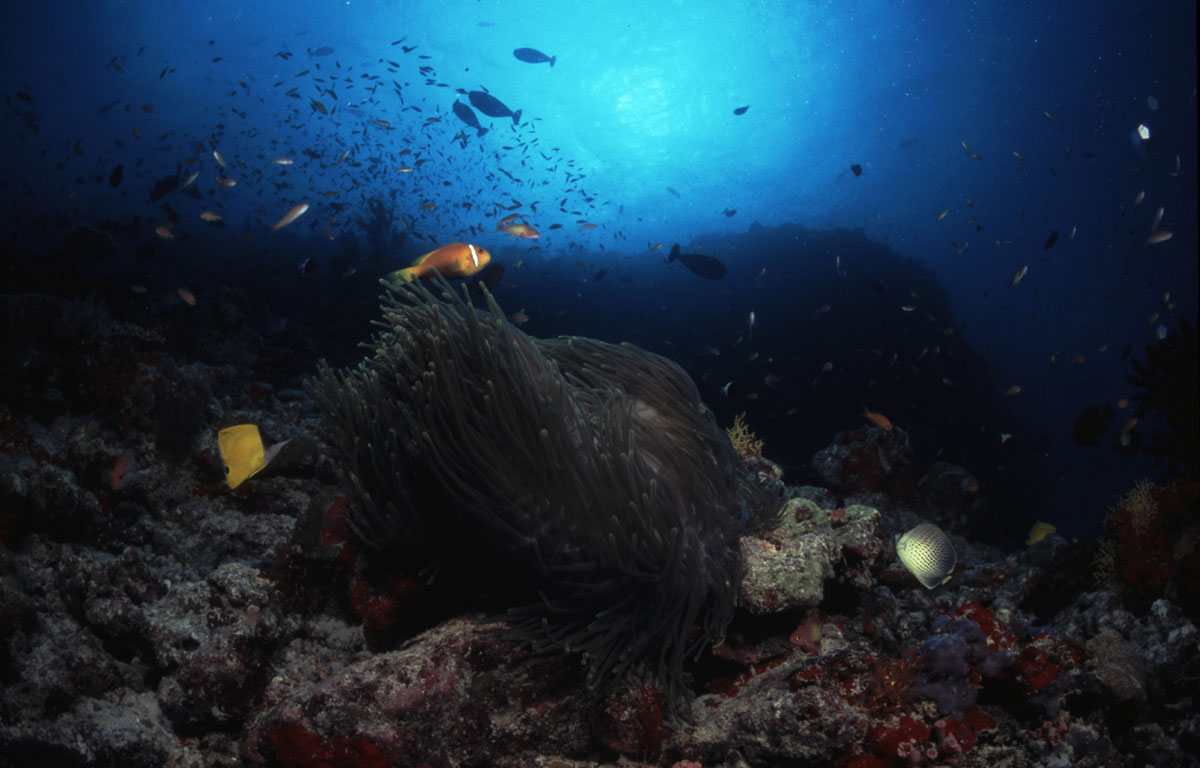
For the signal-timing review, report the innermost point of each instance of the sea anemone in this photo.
(593, 469)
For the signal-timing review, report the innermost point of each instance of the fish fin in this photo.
(273, 451)
(516, 117)
(552, 60)
(482, 131)
(674, 253)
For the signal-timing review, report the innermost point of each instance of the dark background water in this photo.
(922, 322)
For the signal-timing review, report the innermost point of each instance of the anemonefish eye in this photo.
(474, 256)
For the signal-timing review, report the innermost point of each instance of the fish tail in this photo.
(674, 253)
(516, 117)
(552, 60)
(482, 131)
(401, 276)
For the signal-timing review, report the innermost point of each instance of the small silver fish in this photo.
(928, 554)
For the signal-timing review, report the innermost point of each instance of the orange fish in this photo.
(878, 419)
(226, 182)
(122, 471)
(452, 260)
(519, 317)
(188, 297)
(511, 218)
(1015, 389)
(523, 231)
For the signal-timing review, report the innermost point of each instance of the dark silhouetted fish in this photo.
(1051, 240)
(1040, 444)
(1092, 424)
(704, 266)
(163, 187)
(673, 192)
(857, 169)
(491, 106)
(324, 50)
(464, 113)
(532, 56)
(114, 179)
(741, 110)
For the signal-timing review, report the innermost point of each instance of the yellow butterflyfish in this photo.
(242, 450)
(1038, 532)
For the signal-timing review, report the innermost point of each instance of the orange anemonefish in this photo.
(453, 260)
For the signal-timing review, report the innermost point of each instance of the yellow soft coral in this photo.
(744, 441)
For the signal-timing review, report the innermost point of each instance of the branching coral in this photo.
(1140, 504)
(1104, 564)
(591, 467)
(744, 441)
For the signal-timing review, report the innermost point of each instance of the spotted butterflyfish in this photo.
(928, 554)
(452, 260)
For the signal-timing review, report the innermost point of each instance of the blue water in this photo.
(633, 130)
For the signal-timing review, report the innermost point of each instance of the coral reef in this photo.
(867, 461)
(150, 616)
(1153, 544)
